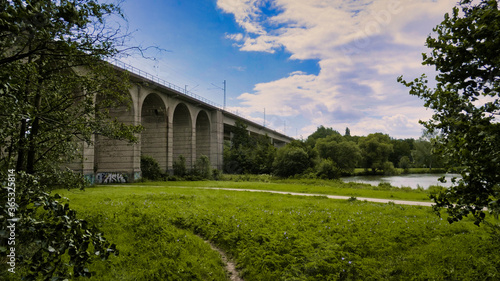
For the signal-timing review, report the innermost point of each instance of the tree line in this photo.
(326, 154)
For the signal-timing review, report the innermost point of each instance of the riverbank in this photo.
(399, 171)
(414, 181)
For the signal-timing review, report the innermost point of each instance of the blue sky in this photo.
(306, 63)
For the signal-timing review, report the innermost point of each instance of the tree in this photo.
(345, 154)
(240, 135)
(179, 166)
(327, 169)
(404, 163)
(237, 156)
(263, 155)
(150, 168)
(422, 155)
(203, 168)
(401, 148)
(56, 91)
(248, 154)
(466, 104)
(320, 133)
(290, 161)
(376, 149)
(347, 132)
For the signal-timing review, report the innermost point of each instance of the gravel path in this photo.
(377, 200)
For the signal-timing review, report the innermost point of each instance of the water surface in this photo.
(412, 180)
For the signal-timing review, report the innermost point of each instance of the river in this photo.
(411, 180)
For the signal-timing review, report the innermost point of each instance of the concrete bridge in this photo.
(176, 122)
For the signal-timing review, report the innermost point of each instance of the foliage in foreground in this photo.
(466, 104)
(50, 240)
(279, 237)
(51, 59)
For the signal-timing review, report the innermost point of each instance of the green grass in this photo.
(326, 187)
(278, 237)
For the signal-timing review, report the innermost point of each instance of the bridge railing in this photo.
(156, 79)
(160, 81)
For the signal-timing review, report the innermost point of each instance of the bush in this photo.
(216, 174)
(327, 169)
(435, 190)
(290, 161)
(404, 163)
(388, 168)
(150, 168)
(202, 167)
(180, 166)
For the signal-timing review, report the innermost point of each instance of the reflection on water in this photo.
(413, 180)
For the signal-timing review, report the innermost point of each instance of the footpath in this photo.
(377, 200)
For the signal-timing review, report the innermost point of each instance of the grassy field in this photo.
(158, 232)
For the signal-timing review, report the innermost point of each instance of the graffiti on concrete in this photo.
(89, 178)
(111, 178)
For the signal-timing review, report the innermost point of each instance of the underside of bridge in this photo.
(115, 160)
(183, 134)
(202, 135)
(154, 136)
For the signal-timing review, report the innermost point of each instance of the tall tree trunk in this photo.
(21, 147)
(30, 164)
(35, 128)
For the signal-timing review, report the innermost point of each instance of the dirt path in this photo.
(230, 266)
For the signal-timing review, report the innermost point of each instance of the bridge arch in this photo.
(113, 156)
(154, 137)
(202, 134)
(182, 134)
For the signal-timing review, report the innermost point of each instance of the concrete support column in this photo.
(217, 139)
(193, 144)
(88, 152)
(136, 158)
(170, 146)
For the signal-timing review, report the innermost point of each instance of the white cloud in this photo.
(361, 46)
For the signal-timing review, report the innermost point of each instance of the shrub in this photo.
(150, 168)
(435, 190)
(290, 161)
(327, 169)
(202, 167)
(404, 163)
(388, 168)
(216, 174)
(180, 166)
